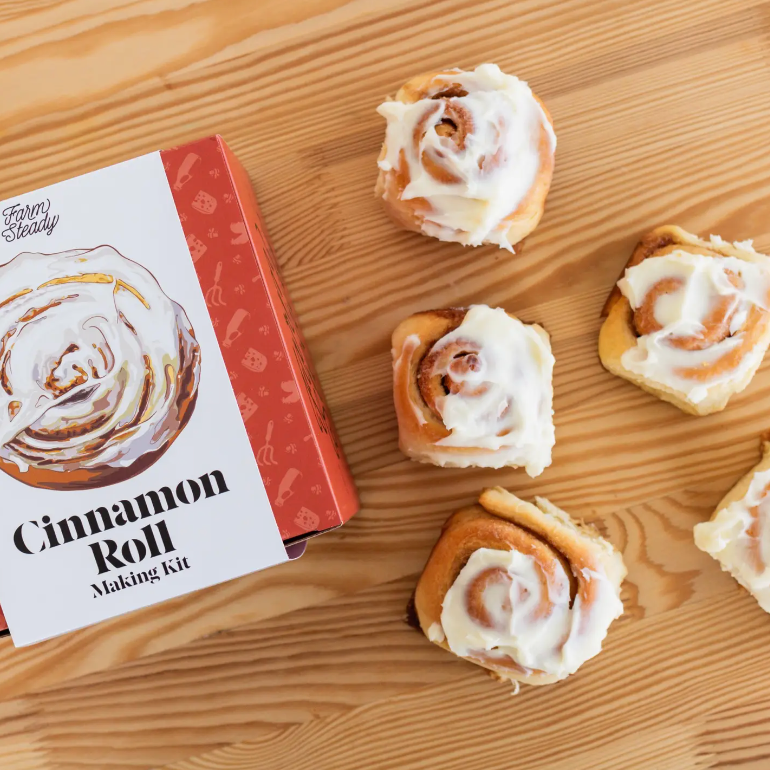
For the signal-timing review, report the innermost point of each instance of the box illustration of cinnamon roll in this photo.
(161, 425)
(99, 369)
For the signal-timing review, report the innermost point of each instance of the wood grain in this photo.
(662, 109)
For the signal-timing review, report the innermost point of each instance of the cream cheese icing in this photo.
(738, 537)
(529, 615)
(505, 403)
(487, 178)
(703, 280)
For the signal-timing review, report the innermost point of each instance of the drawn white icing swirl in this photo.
(98, 368)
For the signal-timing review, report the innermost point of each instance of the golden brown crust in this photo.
(619, 334)
(418, 426)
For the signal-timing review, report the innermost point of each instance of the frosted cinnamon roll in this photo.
(99, 369)
(468, 157)
(520, 589)
(738, 534)
(689, 320)
(473, 387)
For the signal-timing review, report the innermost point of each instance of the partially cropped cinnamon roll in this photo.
(520, 589)
(473, 387)
(690, 319)
(738, 534)
(99, 369)
(468, 157)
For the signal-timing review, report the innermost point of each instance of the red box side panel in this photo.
(257, 350)
(332, 456)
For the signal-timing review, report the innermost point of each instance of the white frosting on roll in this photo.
(739, 538)
(97, 364)
(528, 612)
(494, 171)
(505, 402)
(703, 282)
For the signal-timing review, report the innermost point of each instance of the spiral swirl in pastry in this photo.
(738, 534)
(99, 369)
(474, 387)
(520, 589)
(689, 320)
(468, 157)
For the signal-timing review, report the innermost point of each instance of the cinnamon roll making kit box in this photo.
(161, 425)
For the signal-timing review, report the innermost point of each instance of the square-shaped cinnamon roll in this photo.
(689, 321)
(473, 387)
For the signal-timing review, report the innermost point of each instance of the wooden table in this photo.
(662, 109)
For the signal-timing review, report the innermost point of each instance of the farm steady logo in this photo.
(21, 221)
(153, 540)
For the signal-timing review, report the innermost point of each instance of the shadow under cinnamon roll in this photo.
(690, 319)
(99, 369)
(473, 387)
(468, 157)
(520, 589)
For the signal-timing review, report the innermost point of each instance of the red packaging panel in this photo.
(297, 450)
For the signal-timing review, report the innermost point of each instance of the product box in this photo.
(161, 426)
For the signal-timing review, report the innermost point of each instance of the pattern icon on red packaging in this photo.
(214, 294)
(285, 490)
(246, 405)
(254, 361)
(292, 392)
(184, 175)
(307, 519)
(197, 247)
(205, 203)
(241, 236)
(234, 327)
(266, 453)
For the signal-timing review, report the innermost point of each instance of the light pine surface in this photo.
(662, 110)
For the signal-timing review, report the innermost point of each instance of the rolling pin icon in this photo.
(285, 489)
(234, 327)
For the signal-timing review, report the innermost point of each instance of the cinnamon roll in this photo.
(99, 369)
(473, 387)
(522, 590)
(689, 321)
(738, 534)
(468, 157)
